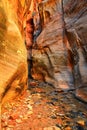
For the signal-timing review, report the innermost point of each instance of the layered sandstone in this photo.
(55, 38)
(60, 50)
(50, 60)
(13, 56)
(75, 13)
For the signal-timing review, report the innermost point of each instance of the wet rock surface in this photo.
(43, 107)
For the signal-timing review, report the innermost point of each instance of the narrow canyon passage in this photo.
(43, 64)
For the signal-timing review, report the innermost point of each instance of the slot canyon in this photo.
(43, 64)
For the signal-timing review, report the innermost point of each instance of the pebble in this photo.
(29, 112)
(53, 117)
(29, 107)
(5, 124)
(18, 120)
(21, 116)
(10, 126)
(57, 128)
(81, 122)
(33, 84)
(25, 118)
(68, 128)
(31, 102)
(39, 116)
(52, 128)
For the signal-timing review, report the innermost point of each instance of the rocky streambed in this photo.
(43, 107)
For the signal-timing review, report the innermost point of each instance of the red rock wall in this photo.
(60, 54)
(55, 35)
(51, 58)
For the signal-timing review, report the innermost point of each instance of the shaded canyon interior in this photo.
(52, 36)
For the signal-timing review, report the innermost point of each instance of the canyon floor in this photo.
(42, 107)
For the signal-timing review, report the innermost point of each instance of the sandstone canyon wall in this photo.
(55, 38)
(75, 15)
(60, 50)
(51, 57)
(13, 56)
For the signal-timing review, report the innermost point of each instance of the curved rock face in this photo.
(51, 60)
(76, 25)
(13, 56)
(59, 54)
(60, 57)
(75, 13)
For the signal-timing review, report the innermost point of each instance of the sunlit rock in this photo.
(13, 56)
(56, 40)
